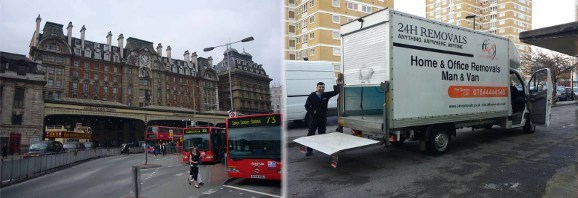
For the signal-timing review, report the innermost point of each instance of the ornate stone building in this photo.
(251, 92)
(21, 103)
(135, 75)
(120, 90)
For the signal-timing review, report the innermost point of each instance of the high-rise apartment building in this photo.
(505, 18)
(312, 26)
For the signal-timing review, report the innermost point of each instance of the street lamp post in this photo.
(228, 45)
(474, 17)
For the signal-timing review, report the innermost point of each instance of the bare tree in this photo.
(559, 64)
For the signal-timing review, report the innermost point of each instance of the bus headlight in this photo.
(233, 169)
(209, 157)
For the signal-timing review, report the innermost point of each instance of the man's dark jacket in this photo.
(317, 106)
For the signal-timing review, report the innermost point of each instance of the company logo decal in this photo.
(489, 50)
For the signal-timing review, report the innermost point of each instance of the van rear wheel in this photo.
(438, 141)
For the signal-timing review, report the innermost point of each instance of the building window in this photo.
(115, 69)
(76, 63)
(311, 35)
(19, 98)
(16, 119)
(85, 89)
(335, 35)
(335, 3)
(105, 91)
(312, 19)
(50, 83)
(129, 91)
(336, 51)
(96, 89)
(311, 3)
(311, 52)
(74, 86)
(366, 9)
(75, 73)
(54, 47)
(58, 83)
(57, 95)
(352, 6)
(105, 68)
(96, 77)
(50, 70)
(59, 71)
(335, 18)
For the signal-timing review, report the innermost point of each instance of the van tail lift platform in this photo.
(335, 143)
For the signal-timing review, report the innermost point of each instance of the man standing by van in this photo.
(316, 106)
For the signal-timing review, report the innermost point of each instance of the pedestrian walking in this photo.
(316, 106)
(194, 162)
(201, 155)
(156, 151)
(4, 150)
(164, 149)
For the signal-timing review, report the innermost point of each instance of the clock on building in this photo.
(144, 60)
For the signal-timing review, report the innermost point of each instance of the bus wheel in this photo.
(529, 127)
(438, 140)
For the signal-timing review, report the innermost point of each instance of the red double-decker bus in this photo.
(163, 133)
(209, 140)
(254, 147)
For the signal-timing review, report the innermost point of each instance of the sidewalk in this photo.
(294, 134)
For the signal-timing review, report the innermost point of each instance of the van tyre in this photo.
(529, 127)
(438, 140)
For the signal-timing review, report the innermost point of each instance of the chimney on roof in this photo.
(109, 41)
(120, 40)
(69, 33)
(169, 52)
(37, 32)
(210, 62)
(82, 30)
(186, 55)
(194, 58)
(160, 49)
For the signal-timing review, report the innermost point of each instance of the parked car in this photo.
(131, 148)
(89, 145)
(560, 93)
(48, 147)
(74, 146)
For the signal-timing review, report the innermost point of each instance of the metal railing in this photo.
(17, 169)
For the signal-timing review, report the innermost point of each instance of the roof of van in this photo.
(309, 66)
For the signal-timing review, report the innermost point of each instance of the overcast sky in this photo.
(544, 12)
(193, 25)
(184, 25)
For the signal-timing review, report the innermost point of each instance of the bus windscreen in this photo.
(255, 142)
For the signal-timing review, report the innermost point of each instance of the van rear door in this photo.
(540, 103)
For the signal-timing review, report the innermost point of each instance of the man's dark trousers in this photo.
(318, 123)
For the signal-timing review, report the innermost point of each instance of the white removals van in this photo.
(301, 78)
(411, 78)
